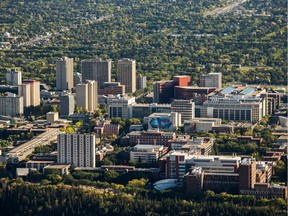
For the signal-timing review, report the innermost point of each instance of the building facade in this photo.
(147, 153)
(67, 105)
(30, 91)
(150, 137)
(143, 110)
(185, 107)
(11, 105)
(14, 77)
(64, 73)
(113, 88)
(119, 106)
(87, 95)
(141, 82)
(163, 121)
(96, 69)
(126, 74)
(76, 149)
(211, 80)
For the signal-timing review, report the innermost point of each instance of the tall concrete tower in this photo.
(64, 73)
(96, 69)
(126, 74)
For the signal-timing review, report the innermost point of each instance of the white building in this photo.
(147, 153)
(64, 73)
(119, 106)
(236, 103)
(14, 77)
(76, 149)
(11, 105)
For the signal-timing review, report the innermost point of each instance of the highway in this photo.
(22, 151)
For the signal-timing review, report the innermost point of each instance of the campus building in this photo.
(118, 106)
(76, 149)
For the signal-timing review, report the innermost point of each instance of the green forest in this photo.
(18, 198)
(165, 37)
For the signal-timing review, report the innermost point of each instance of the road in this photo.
(22, 151)
(227, 9)
(34, 41)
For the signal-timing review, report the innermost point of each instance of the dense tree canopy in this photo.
(165, 37)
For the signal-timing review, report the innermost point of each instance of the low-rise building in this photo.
(39, 165)
(62, 169)
(164, 121)
(118, 106)
(263, 190)
(148, 137)
(144, 110)
(147, 153)
(52, 117)
(201, 124)
(106, 128)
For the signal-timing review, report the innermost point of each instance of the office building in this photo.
(236, 103)
(211, 80)
(76, 149)
(25, 92)
(105, 127)
(96, 69)
(181, 80)
(164, 121)
(141, 82)
(67, 105)
(64, 73)
(197, 94)
(147, 153)
(30, 91)
(119, 106)
(163, 91)
(185, 107)
(143, 110)
(178, 163)
(11, 105)
(247, 172)
(14, 77)
(264, 190)
(112, 88)
(126, 74)
(198, 146)
(151, 137)
(77, 79)
(201, 124)
(87, 96)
